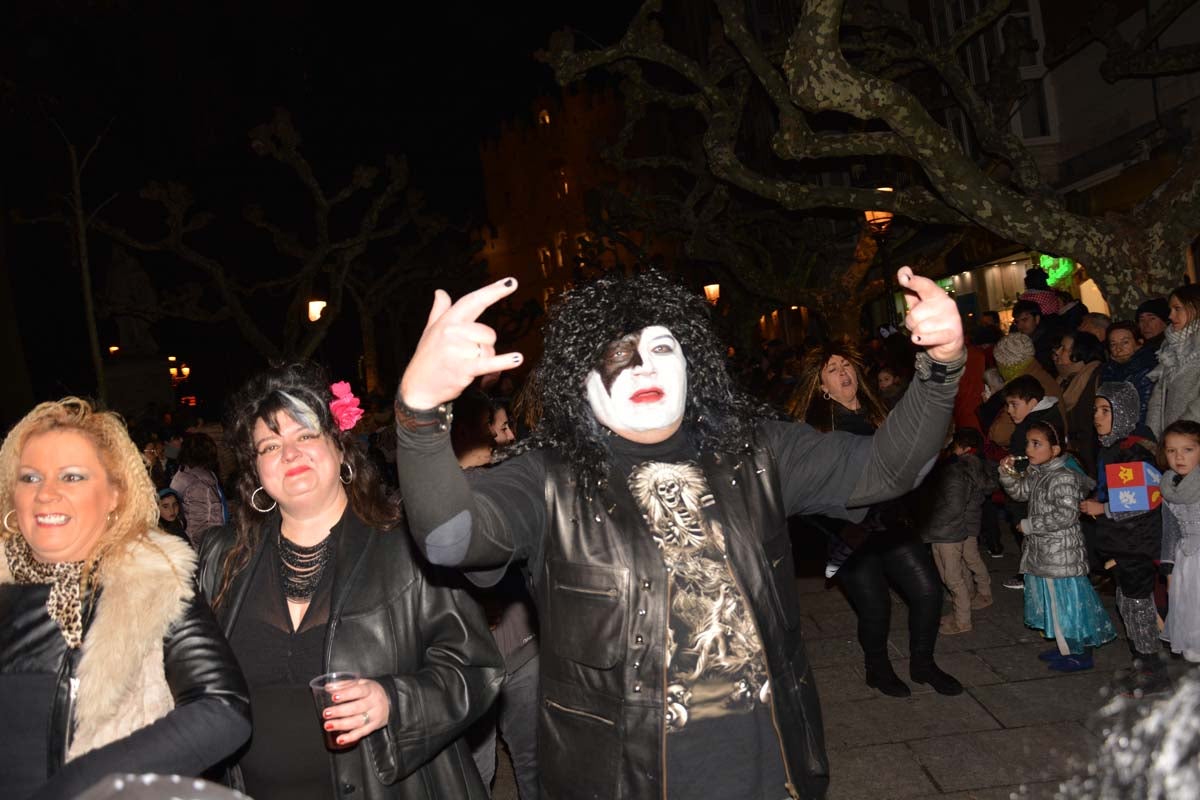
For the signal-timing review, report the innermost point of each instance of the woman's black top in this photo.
(31, 651)
(287, 756)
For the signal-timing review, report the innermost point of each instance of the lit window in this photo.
(543, 117)
(560, 244)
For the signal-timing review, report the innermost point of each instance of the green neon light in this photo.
(1057, 269)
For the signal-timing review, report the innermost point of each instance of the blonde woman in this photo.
(109, 661)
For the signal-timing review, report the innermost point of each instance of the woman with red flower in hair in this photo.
(315, 575)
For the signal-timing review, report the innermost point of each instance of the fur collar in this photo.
(120, 683)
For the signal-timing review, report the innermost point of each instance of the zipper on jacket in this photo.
(790, 785)
(578, 712)
(665, 678)
(587, 591)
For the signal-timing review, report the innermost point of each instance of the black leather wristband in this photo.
(439, 417)
(929, 370)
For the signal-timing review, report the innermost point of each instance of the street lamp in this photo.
(712, 293)
(315, 307)
(878, 223)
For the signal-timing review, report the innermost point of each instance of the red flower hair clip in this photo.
(346, 412)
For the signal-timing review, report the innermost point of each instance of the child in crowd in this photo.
(949, 521)
(1026, 403)
(1132, 538)
(1059, 599)
(170, 513)
(1181, 537)
(891, 385)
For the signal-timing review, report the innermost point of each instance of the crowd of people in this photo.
(595, 566)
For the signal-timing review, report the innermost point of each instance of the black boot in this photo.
(881, 676)
(1148, 676)
(926, 671)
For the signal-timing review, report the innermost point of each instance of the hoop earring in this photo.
(254, 505)
(349, 467)
(6, 527)
(825, 394)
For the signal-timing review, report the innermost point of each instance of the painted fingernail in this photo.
(328, 713)
(341, 740)
(337, 698)
(516, 359)
(917, 338)
(328, 726)
(508, 282)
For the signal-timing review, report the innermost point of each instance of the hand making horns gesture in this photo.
(455, 349)
(932, 319)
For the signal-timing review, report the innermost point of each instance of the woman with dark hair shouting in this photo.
(883, 549)
(313, 577)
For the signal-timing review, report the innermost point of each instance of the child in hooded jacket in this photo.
(1131, 538)
(949, 521)
(1059, 598)
(1181, 537)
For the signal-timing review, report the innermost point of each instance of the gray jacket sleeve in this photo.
(496, 518)
(839, 474)
(904, 447)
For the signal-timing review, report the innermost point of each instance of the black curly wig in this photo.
(718, 415)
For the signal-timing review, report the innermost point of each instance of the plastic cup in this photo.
(323, 687)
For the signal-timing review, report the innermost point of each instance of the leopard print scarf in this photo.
(64, 604)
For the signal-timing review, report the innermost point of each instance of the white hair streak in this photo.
(301, 411)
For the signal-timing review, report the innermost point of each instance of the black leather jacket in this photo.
(605, 603)
(602, 589)
(426, 643)
(211, 713)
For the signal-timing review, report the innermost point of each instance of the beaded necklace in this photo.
(300, 568)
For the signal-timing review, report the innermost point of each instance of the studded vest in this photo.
(603, 600)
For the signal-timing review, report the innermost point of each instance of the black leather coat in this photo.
(426, 643)
(205, 684)
(604, 604)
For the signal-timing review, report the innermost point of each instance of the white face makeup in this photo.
(640, 388)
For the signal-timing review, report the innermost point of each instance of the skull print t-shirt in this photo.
(721, 741)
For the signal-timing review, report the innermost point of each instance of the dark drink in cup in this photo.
(331, 741)
(323, 688)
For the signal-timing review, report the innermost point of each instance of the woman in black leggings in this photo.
(882, 550)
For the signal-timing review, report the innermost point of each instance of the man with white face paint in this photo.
(639, 389)
(649, 509)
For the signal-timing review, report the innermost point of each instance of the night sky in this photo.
(179, 85)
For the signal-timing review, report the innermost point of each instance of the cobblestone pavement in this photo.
(1017, 731)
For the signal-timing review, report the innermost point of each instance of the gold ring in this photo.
(366, 718)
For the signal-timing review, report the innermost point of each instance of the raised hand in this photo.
(932, 317)
(454, 348)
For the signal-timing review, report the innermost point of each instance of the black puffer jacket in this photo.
(950, 501)
(426, 643)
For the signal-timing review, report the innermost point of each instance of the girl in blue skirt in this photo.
(1059, 598)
